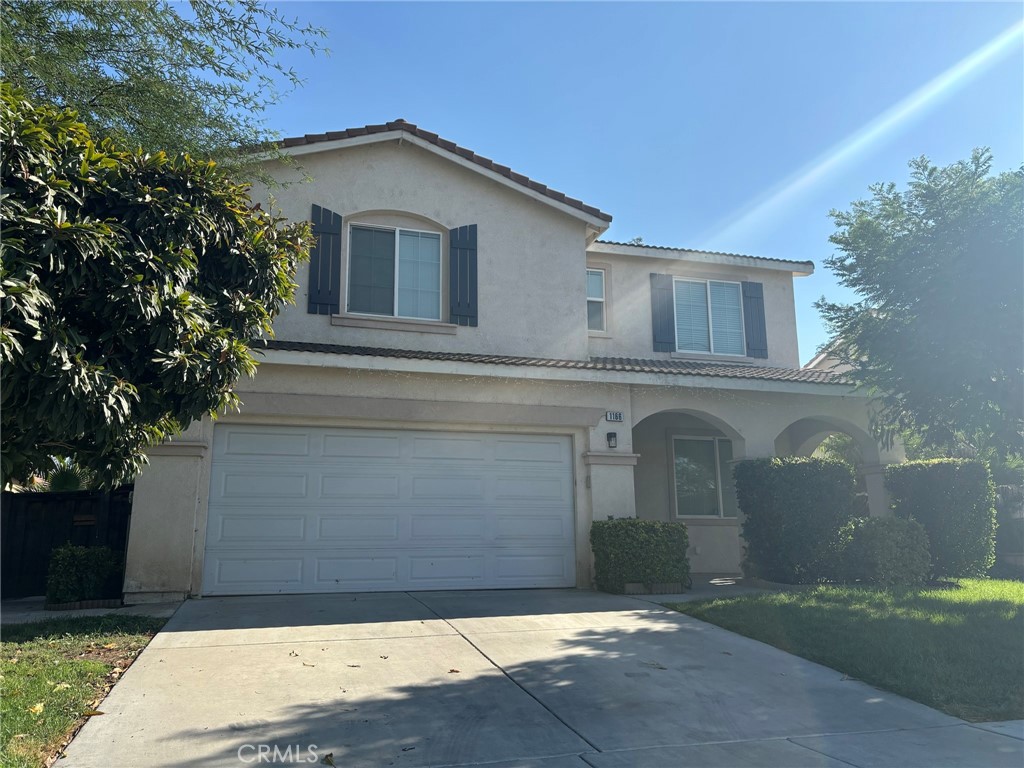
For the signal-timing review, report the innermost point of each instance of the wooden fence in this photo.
(34, 524)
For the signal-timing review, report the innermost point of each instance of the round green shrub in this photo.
(954, 500)
(887, 551)
(83, 573)
(628, 550)
(794, 511)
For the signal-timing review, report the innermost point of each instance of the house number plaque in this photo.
(613, 416)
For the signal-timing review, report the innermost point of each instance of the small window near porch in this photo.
(702, 477)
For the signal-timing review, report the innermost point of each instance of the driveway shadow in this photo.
(435, 679)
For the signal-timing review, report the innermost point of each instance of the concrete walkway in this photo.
(542, 679)
(30, 609)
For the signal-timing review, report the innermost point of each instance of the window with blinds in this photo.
(709, 317)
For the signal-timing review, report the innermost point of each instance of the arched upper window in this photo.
(394, 271)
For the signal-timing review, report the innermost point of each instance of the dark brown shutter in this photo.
(462, 280)
(663, 313)
(325, 263)
(753, 320)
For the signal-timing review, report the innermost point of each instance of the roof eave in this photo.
(539, 373)
(796, 268)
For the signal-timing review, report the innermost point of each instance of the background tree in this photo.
(938, 333)
(132, 287)
(181, 77)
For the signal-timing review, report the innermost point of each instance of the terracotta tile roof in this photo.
(617, 364)
(713, 253)
(455, 149)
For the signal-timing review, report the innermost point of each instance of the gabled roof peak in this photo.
(467, 154)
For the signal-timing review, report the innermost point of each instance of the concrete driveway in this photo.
(540, 678)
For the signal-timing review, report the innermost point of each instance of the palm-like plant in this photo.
(66, 476)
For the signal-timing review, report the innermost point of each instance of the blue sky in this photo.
(677, 118)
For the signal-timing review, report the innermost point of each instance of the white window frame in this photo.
(718, 477)
(603, 301)
(394, 302)
(711, 319)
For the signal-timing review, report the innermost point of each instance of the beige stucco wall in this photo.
(531, 257)
(628, 285)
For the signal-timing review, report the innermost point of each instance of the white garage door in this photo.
(305, 509)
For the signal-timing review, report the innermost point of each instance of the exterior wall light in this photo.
(613, 440)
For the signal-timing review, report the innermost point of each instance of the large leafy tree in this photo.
(132, 287)
(938, 331)
(181, 77)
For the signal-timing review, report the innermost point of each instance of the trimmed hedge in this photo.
(794, 510)
(887, 551)
(954, 500)
(82, 573)
(627, 550)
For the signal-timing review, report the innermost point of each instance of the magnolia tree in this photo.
(132, 288)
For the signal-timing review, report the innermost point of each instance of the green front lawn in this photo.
(53, 672)
(958, 648)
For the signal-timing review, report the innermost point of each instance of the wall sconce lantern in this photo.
(613, 440)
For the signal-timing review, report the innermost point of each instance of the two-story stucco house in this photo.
(471, 376)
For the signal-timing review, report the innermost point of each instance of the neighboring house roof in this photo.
(664, 251)
(617, 364)
(467, 154)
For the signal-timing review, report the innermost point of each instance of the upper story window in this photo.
(394, 272)
(595, 300)
(709, 317)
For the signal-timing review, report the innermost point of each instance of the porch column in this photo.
(610, 478)
(756, 446)
(874, 483)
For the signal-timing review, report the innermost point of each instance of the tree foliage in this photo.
(936, 334)
(131, 288)
(190, 77)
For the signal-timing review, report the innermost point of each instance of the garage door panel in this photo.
(375, 446)
(549, 488)
(532, 528)
(242, 484)
(269, 443)
(441, 528)
(443, 448)
(356, 571)
(359, 486)
(441, 568)
(267, 528)
(534, 451)
(449, 487)
(359, 528)
(245, 572)
(365, 510)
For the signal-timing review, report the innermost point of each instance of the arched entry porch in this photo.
(804, 436)
(684, 472)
